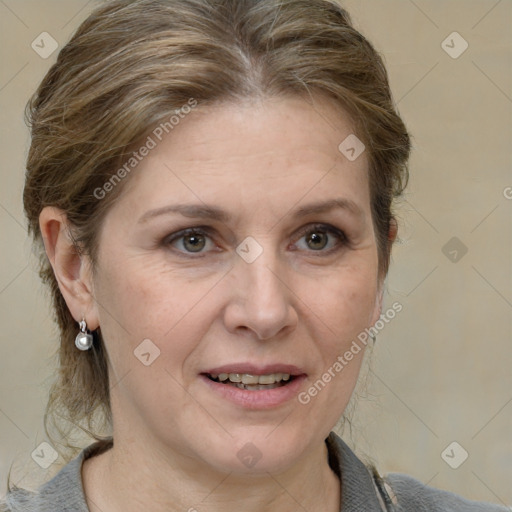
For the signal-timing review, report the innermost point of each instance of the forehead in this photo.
(261, 153)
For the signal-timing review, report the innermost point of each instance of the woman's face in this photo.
(267, 282)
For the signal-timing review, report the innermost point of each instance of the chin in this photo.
(258, 451)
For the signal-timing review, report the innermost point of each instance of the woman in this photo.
(213, 183)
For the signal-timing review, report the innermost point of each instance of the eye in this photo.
(192, 240)
(321, 238)
(318, 237)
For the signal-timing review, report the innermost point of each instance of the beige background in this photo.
(442, 369)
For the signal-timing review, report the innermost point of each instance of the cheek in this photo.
(340, 312)
(147, 298)
(149, 301)
(341, 316)
(345, 299)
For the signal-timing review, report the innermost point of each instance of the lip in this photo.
(253, 369)
(258, 399)
(261, 399)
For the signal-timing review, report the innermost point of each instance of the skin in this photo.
(300, 302)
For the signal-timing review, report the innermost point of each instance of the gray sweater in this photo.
(363, 490)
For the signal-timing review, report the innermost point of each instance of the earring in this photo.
(83, 340)
(374, 338)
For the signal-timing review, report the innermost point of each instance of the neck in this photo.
(127, 480)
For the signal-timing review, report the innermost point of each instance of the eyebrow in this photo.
(215, 213)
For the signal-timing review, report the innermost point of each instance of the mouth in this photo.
(255, 387)
(252, 382)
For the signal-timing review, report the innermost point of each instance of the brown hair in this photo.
(133, 63)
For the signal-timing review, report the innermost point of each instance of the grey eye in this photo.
(194, 243)
(318, 240)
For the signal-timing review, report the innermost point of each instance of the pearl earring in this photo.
(83, 340)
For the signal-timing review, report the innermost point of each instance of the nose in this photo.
(261, 300)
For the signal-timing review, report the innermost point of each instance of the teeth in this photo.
(246, 378)
(265, 379)
(252, 379)
(257, 387)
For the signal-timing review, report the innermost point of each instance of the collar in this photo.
(358, 493)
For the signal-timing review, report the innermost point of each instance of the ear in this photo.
(72, 270)
(392, 234)
(393, 231)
